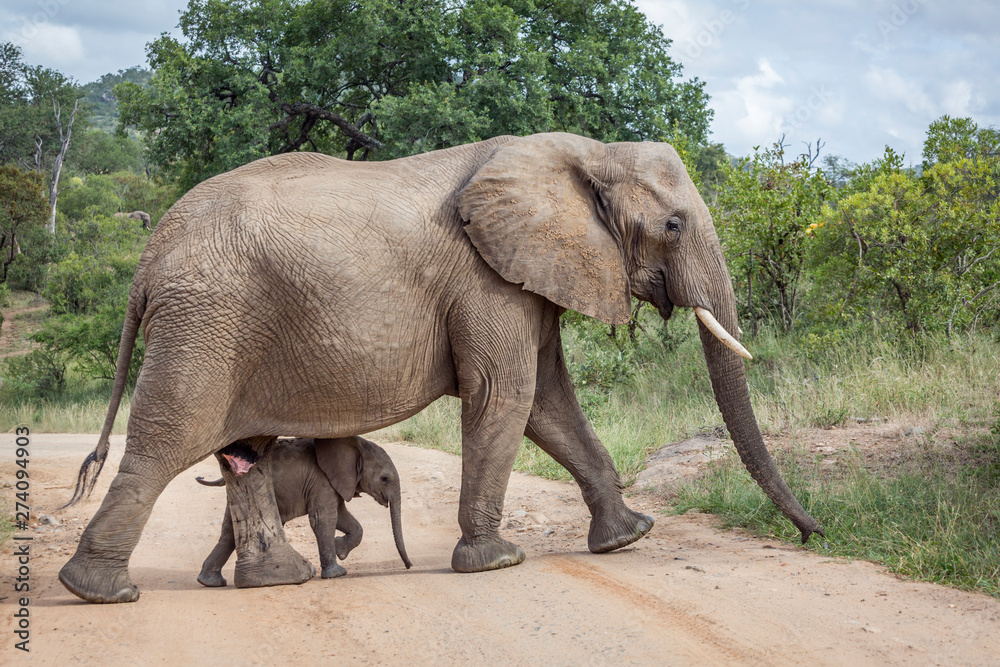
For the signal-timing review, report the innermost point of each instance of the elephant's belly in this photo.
(348, 386)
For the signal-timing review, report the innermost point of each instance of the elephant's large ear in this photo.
(340, 461)
(534, 213)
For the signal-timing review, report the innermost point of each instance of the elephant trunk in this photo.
(397, 531)
(733, 397)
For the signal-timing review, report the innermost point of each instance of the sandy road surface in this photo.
(684, 595)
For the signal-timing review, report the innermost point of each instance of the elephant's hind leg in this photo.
(559, 427)
(211, 569)
(263, 555)
(98, 571)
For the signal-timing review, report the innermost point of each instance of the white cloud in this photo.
(958, 99)
(681, 21)
(57, 46)
(886, 84)
(756, 105)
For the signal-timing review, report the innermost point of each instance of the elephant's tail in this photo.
(87, 477)
(214, 482)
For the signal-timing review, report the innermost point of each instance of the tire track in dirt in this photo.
(705, 645)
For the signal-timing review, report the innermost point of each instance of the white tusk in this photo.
(719, 332)
(739, 331)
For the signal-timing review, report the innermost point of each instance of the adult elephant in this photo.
(138, 215)
(310, 296)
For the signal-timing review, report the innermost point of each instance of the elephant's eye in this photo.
(673, 226)
(385, 479)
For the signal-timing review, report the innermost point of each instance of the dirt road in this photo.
(686, 594)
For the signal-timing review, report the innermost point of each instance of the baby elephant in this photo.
(316, 477)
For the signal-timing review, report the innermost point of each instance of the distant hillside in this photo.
(104, 107)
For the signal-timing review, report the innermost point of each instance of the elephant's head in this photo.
(355, 465)
(585, 224)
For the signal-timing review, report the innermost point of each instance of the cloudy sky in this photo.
(860, 74)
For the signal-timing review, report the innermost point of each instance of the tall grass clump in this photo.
(80, 409)
(936, 521)
(798, 382)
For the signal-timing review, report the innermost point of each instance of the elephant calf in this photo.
(316, 477)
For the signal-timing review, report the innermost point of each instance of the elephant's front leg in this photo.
(559, 427)
(496, 399)
(350, 527)
(263, 555)
(324, 515)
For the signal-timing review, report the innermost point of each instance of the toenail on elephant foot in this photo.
(333, 571)
(278, 565)
(98, 583)
(212, 579)
(343, 548)
(617, 531)
(483, 555)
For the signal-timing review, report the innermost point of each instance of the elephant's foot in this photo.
(333, 571)
(485, 554)
(617, 530)
(213, 579)
(98, 583)
(280, 564)
(344, 547)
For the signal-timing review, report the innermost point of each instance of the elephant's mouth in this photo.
(239, 456)
(660, 299)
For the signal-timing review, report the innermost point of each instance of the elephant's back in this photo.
(289, 208)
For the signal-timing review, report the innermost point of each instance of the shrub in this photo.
(102, 257)
(92, 341)
(765, 215)
(916, 253)
(41, 373)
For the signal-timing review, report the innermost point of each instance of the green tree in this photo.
(100, 97)
(381, 79)
(22, 214)
(950, 139)
(917, 253)
(97, 152)
(39, 108)
(766, 214)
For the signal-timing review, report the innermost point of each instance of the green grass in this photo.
(934, 520)
(81, 409)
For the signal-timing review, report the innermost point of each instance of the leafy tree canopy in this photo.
(23, 210)
(29, 136)
(382, 79)
(950, 139)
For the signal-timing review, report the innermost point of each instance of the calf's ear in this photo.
(340, 460)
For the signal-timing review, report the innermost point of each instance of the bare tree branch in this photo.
(57, 164)
(315, 113)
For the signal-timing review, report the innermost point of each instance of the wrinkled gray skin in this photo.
(137, 215)
(316, 478)
(268, 295)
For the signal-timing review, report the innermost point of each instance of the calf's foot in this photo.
(333, 571)
(212, 579)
